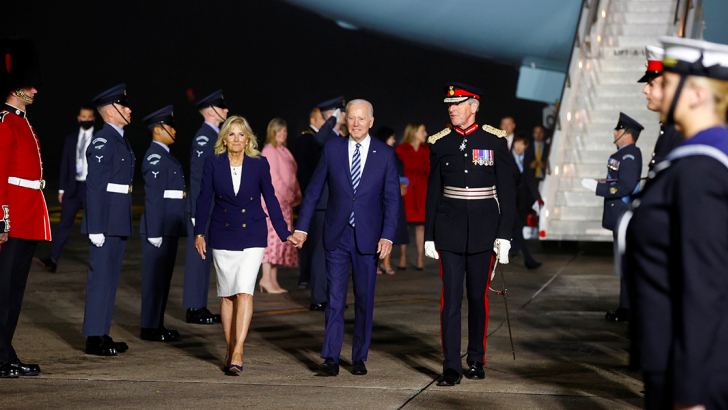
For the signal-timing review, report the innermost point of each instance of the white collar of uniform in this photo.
(364, 143)
(166, 148)
(119, 130)
(313, 128)
(213, 126)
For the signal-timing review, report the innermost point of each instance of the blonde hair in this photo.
(251, 146)
(410, 131)
(719, 90)
(275, 125)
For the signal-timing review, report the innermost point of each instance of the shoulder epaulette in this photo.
(2, 115)
(309, 131)
(433, 138)
(495, 131)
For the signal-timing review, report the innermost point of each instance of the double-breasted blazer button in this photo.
(227, 224)
(243, 210)
(244, 225)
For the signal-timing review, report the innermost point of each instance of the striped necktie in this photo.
(355, 177)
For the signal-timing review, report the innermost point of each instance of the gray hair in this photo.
(361, 102)
(474, 100)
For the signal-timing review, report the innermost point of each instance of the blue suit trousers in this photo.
(103, 279)
(156, 278)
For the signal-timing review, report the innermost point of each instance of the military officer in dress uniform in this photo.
(163, 223)
(624, 168)
(197, 270)
(107, 217)
(669, 137)
(469, 217)
(313, 259)
(72, 192)
(23, 212)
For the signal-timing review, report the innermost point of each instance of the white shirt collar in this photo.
(90, 131)
(119, 130)
(166, 148)
(313, 128)
(213, 126)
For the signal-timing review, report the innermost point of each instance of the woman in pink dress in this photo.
(288, 192)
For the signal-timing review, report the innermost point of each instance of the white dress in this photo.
(237, 271)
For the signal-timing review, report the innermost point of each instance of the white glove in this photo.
(336, 114)
(430, 250)
(590, 184)
(97, 239)
(502, 247)
(155, 241)
(193, 222)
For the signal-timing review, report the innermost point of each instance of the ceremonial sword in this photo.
(505, 301)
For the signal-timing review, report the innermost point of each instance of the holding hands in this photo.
(297, 239)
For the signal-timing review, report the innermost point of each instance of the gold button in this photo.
(122, 160)
(224, 210)
(251, 198)
(175, 172)
(226, 224)
(243, 210)
(244, 225)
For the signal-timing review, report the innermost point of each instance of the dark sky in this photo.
(271, 59)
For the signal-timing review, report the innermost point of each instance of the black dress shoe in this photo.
(215, 318)
(8, 371)
(359, 368)
(159, 334)
(121, 347)
(25, 369)
(531, 265)
(450, 377)
(475, 372)
(100, 346)
(46, 264)
(619, 315)
(202, 316)
(330, 367)
(317, 307)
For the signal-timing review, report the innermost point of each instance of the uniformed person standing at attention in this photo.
(669, 137)
(163, 223)
(197, 270)
(107, 217)
(624, 168)
(469, 217)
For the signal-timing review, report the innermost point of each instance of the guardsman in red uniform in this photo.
(23, 211)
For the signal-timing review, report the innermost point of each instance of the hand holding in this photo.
(430, 250)
(292, 240)
(502, 247)
(3, 238)
(299, 238)
(590, 184)
(402, 189)
(201, 246)
(679, 406)
(60, 197)
(384, 248)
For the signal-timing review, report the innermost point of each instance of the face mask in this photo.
(86, 124)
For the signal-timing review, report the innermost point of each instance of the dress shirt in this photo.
(236, 173)
(213, 126)
(519, 160)
(84, 140)
(363, 151)
(166, 148)
(119, 130)
(509, 140)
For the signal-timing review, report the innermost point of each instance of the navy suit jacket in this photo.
(202, 147)
(375, 204)
(238, 221)
(110, 160)
(68, 165)
(162, 216)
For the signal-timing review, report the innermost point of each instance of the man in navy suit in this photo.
(107, 217)
(163, 223)
(360, 222)
(72, 188)
(197, 270)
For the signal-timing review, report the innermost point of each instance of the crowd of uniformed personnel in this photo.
(669, 233)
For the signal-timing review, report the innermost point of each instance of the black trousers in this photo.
(69, 208)
(475, 270)
(16, 255)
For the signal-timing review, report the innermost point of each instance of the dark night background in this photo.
(271, 59)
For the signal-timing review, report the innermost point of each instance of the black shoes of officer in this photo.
(330, 367)
(359, 368)
(100, 346)
(46, 264)
(532, 264)
(202, 316)
(121, 347)
(25, 369)
(619, 315)
(8, 371)
(450, 377)
(317, 307)
(159, 334)
(475, 372)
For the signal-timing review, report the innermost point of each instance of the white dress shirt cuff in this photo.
(298, 230)
(60, 191)
(388, 241)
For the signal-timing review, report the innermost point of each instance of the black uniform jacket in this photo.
(676, 266)
(165, 203)
(469, 226)
(309, 147)
(668, 140)
(625, 166)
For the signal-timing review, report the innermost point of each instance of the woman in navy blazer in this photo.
(236, 177)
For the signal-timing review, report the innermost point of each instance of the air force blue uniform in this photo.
(625, 166)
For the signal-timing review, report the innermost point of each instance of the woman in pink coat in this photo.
(288, 192)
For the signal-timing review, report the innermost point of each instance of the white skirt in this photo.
(237, 271)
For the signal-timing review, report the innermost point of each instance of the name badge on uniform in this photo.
(613, 164)
(483, 157)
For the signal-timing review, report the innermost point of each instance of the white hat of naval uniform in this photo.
(654, 63)
(701, 58)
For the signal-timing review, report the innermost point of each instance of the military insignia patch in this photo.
(199, 153)
(202, 140)
(99, 158)
(613, 190)
(451, 92)
(433, 138)
(613, 164)
(628, 156)
(483, 157)
(155, 173)
(154, 159)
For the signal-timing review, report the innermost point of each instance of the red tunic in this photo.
(416, 169)
(20, 158)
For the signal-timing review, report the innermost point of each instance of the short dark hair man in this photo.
(72, 186)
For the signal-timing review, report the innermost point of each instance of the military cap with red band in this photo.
(654, 63)
(459, 92)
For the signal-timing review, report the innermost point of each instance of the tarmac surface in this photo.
(567, 355)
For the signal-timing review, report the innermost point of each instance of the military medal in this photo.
(613, 164)
(462, 145)
(483, 157)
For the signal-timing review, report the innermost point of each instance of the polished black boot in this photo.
(330, 367)
(449, 378)
(475, 372)
(25, 369)
(202, 316)
(121, 347)
(619, 315)
(159, 334)
(100, 346)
